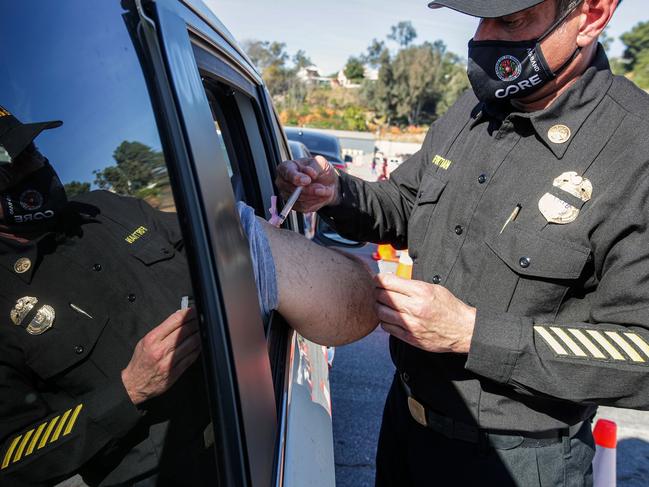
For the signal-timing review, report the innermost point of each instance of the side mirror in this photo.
(348, 159)
(327, 236)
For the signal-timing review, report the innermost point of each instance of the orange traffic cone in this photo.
(385, 252)
(604, 463)
(404, 269)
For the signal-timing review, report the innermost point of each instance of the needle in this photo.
(289, 205)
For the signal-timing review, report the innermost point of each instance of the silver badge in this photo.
(576, 185)
(557, 211)
(43, 320)
(21, 309)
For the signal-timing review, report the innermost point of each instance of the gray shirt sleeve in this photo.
(262, 259)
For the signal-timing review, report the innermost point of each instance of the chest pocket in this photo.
(526, 274)
(152, 248)
(429, 194)
(69, 342)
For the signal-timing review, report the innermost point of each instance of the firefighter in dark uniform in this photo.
(98, 371)
(525, 213)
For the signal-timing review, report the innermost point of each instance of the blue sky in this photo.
(332, 30)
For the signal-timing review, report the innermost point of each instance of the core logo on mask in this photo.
(31, 200)
(508, 68)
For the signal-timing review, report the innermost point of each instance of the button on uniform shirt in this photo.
(562, 308)
(117, 271)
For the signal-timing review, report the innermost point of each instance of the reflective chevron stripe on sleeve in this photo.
(595, 345)
(40, 435)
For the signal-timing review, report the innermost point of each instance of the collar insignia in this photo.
(22, 265)
(559, 134)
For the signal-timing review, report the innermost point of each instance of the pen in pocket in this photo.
(512, 217)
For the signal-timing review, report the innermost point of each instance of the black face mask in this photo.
(504, 70)
(34, 204)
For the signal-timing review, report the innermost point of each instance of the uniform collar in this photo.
(576, 104)
(571, 109)
(12, 251)
(16, 256)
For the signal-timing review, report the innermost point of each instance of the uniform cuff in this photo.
(113, 411)
(344, 221)
(348, 199)
(495, 346)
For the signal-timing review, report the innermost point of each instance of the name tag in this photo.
(441, 162)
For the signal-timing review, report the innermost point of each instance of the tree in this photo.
(276, 79)
(403, 33)
(301, 60)
(417, 84)
(281, 80)
(264, 54)
(416, 73)
(606, 40)
(137, 166)
(75, 188)
(636, 41)
(354, 69)
(374, 52)
(379, 95)
(456, 82)
(641, 72)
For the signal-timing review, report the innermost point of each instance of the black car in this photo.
(298, 150)
(320, 144)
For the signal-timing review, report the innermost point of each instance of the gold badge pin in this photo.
(557, 211)
(559, 134)
(22, 265)
(21, 309)
(576, 185)
(43, 321)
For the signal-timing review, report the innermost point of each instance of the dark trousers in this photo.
(412, 455)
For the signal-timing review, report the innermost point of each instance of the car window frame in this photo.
(245, 429)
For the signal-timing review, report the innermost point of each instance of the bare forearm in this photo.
(323, 294)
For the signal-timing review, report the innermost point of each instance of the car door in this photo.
(231, 133)
(100, 72)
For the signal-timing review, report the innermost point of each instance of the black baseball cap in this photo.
(486, 9)
(15, 136)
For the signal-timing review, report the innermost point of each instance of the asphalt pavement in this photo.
(360, 379)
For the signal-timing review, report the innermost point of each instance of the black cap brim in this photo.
(486, 9)
(17, 139)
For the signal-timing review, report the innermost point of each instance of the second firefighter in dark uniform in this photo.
(85, 282)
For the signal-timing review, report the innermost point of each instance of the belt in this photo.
(457, 430)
